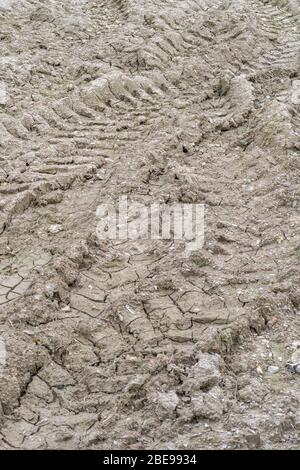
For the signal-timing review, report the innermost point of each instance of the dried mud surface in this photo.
(132, 345)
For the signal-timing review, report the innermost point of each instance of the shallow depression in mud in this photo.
(139, 343)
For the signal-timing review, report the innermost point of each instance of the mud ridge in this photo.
(133, 344)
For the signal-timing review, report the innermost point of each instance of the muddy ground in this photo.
(132, 344)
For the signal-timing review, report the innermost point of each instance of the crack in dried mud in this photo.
(133, 345)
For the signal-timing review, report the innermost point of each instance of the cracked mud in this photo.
(133, 345)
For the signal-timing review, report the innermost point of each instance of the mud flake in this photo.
(55, 375)
(10, 281)
(86, 305)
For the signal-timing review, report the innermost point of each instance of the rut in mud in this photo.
(134, 345)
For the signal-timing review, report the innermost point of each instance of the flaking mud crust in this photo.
(130, 345)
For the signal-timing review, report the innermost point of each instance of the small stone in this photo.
(168, 401)
(253, 440)
(294, 368)
(50, 290)
(293, 365)
(66, 308)
(56, 228)
(273, 369)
